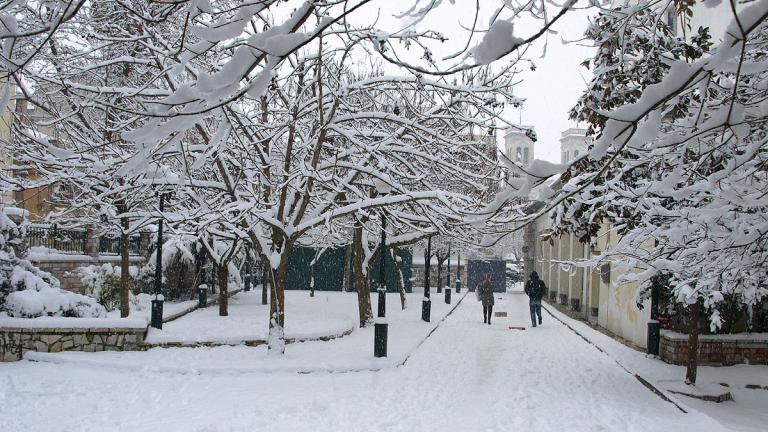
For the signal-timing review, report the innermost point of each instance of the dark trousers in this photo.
(535, 311)
(487, 312)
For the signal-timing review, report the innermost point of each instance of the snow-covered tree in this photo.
(679, 170)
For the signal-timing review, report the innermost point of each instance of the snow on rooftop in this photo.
(578, 132)
(519, 129)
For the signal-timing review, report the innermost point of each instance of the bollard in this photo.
(447, 295)
(458, 286)
(202, 296)
(380, 338)
(654, 337)
(157, 311)
(426, 309)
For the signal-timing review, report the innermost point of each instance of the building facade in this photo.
(519, 144)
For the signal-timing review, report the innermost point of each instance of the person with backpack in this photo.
(484, 293)
(535, 289)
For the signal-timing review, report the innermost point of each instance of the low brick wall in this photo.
(716, 350)
(14, 342)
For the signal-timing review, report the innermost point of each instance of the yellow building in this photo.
(5, 141)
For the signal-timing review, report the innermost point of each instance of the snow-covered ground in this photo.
(328, 313)
(749, 409)
(466, 376)
(247, 320)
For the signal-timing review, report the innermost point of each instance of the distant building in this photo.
(519, 143)
(573, 143)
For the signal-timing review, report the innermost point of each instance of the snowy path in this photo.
(466, 377)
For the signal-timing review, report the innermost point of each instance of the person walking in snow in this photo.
(484, 293)
(535, 289)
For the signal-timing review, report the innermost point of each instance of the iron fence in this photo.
(68, 241)
(110, 245)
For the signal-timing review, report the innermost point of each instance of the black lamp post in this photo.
(458, 274)
(426, 303)
(448, 278)
(380, 326)
(654, 332)
(157, 300)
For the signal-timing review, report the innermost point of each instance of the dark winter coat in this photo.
(535, 288)
(485, 292)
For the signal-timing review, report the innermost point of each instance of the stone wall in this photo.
(14, 342)
(717, 350)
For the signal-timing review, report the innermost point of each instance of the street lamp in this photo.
(426, 303)
(448, 278)
(158, 298)
(380, 326)
(458, 274)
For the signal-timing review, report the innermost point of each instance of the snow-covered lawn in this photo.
(327, 313)
(466, 376)
(247, 320)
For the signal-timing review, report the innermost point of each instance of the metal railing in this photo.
(110, 245)
(69, 241)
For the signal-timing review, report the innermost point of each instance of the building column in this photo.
(576, 278)
(563, 286)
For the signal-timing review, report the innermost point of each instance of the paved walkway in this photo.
(467, 377)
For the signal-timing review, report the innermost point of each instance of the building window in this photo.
(672, 20)
(519, 155)
(525, 155)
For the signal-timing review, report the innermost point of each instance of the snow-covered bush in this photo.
(103, 283)
(140, 301)
(28, 292)
(179, 271)
(50, 301)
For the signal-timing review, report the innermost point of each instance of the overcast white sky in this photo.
(550, 90)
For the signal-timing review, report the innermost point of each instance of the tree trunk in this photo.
(312, 276)
(439, 285)
(347, 269)
(266, 279)
(361, 282)
(223, 275)
(399, 277)
(125, 262)
(276, 342)
(694, 311)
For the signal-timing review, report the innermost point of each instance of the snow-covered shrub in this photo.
(103, 283)
(50, 301)
(179, 271)
(28, 292)
(140, 301)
